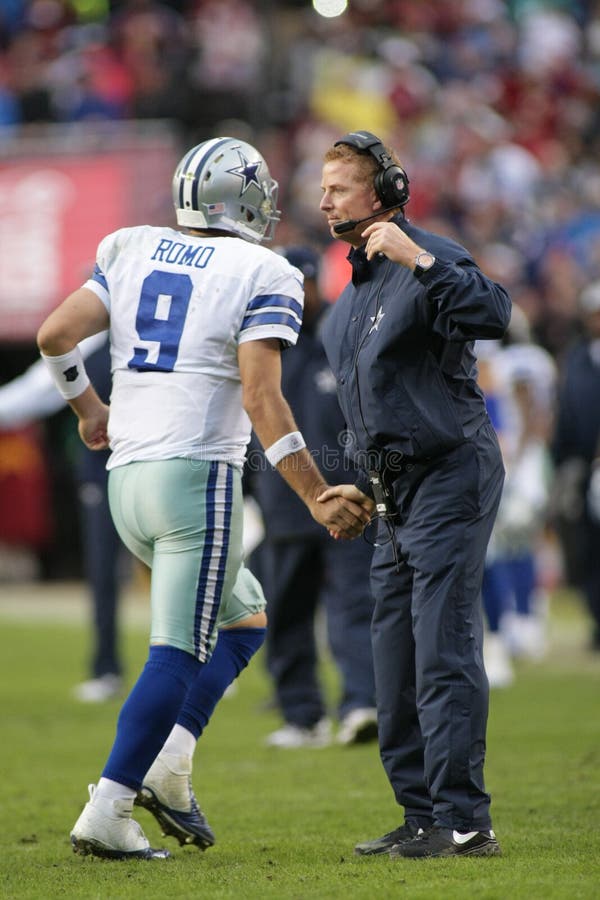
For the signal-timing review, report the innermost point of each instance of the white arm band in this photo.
(68, 373)
(289, 443)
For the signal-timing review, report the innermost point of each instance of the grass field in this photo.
(286, 822)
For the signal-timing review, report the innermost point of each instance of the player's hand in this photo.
(355, 497)
(93, 429)
(339, 511)
(342, 517)
(349, 492)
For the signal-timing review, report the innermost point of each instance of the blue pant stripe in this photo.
(219, 505)
(225, 543)
(206, 555)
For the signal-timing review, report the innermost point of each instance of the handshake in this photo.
(343, 509)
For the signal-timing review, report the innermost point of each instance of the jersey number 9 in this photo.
(160, 320)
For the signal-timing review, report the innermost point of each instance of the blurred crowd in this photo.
(494, 108)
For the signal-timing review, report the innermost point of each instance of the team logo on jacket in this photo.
(376, 320)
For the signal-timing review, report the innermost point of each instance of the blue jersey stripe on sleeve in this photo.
(98, 275)
(281, 300)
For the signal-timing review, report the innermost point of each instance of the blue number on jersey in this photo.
(160, 318)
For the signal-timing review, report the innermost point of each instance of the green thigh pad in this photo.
(183, 518)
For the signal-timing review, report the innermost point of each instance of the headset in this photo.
(391, 181)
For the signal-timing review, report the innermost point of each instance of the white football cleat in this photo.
(99, 690)
(358, 727)
(294, 737)
(496, 660)
(525, 635)
(105, 828)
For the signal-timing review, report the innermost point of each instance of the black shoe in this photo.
(438, 841)
(405, 832)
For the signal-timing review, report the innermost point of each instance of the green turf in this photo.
(286, 822)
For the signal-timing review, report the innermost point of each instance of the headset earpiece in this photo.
(391, 181)
(391, 185)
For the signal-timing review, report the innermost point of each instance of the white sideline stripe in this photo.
(67, 603)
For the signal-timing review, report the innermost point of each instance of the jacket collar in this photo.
(361, 267)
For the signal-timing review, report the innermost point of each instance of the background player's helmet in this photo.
(225, 183)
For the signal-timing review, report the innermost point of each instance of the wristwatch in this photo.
(423, 261)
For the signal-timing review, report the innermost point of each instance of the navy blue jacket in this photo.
(401, 348)
(308, 385)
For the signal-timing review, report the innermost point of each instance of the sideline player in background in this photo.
(301, 569)
(197, 320)
(576, 453)
(519, 380)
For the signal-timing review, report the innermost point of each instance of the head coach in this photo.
(400, 343)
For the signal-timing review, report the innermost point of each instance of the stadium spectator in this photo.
(151, 40)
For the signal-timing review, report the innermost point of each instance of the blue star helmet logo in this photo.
(247, 171)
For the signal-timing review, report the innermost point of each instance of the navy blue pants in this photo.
(432, 690)
(102, 553)
(297, 576)
(591, 576)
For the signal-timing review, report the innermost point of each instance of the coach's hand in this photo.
(349, 492)
(342, 517)
(354, 503)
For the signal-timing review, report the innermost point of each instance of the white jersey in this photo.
(179, 307)
(532, 364)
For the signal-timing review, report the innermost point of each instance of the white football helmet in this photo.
(225, 183)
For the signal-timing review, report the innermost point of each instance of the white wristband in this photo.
(68, 373)
(289, 443)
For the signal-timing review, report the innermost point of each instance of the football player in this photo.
(198, 316)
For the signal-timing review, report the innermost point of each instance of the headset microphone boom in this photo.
(350, 224)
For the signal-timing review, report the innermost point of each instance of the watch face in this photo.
(424, 261)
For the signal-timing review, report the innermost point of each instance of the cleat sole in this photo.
(169, 826)
(88, 847)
